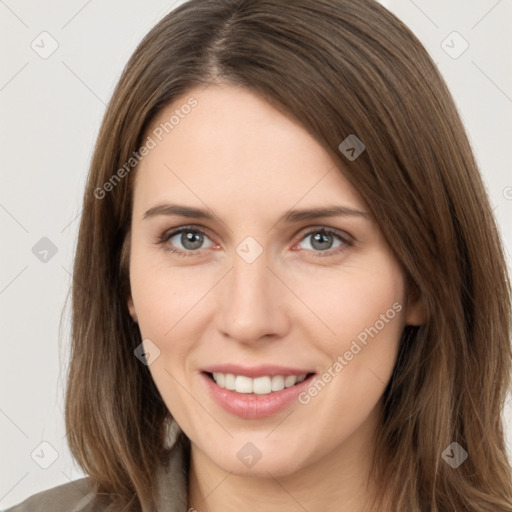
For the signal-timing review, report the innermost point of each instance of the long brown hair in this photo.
(339, 67)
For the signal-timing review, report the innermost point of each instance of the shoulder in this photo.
(76, 496)
(81, 496)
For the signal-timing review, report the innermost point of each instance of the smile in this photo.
(255, 397)
(260, 385)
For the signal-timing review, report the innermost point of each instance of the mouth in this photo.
(257, 391)
(257, 386)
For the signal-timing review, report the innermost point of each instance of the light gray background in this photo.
(50, 111)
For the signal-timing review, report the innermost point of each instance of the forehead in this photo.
(233, 149)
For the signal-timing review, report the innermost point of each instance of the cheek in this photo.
(367, 314)
(165, 297)
(363, 309)
(168, 305)
(346, 304)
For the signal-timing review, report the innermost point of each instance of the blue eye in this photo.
(324, 242)
(191, 239)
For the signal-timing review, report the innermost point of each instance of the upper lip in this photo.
(256, 371)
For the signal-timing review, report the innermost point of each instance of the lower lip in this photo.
(251, 406)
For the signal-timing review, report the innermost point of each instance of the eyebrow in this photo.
(291, 216)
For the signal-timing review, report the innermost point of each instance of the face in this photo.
(228, 278)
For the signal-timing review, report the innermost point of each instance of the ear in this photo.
(131, 308)
(415, 311)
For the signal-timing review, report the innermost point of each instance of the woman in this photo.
(289, 289)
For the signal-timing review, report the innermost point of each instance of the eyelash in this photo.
(167, 235)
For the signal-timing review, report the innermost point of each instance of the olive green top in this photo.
(80, 496)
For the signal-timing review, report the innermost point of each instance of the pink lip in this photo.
(256, 371)
(252, 406)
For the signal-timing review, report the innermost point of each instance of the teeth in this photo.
(277, 383)
(243, 384)
(229, 381)
(290, 380)
(259, 385)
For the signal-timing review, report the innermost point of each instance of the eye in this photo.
(185, 240)
(189, 240)
(325, 240)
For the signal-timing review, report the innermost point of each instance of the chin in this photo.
(255, 456)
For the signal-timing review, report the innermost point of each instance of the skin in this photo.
(295, 305)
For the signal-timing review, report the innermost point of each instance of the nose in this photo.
(252, 305)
